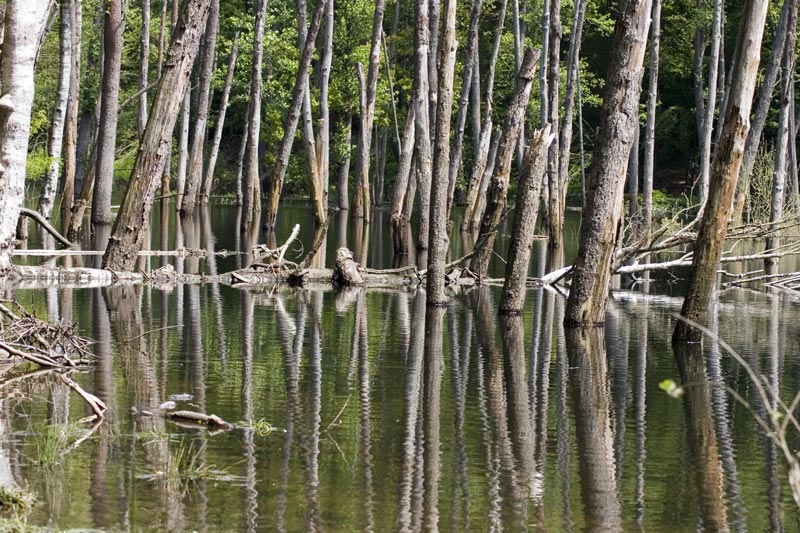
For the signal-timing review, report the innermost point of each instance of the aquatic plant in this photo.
(261, 427)
(15, 505)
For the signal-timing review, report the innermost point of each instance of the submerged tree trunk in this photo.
(133, 220)
(208, 179)
(619, 118)
(251, 180)
(438, 239)
(498, 191)
(312, 166)
(650, 125)
(22, 24)
(109, 111)
(73, 110)
(724, 170)
(195, 174)
(55, 140)
(361, 202)
(292, 118)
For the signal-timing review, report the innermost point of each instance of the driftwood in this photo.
(212, 421)
(45, 224)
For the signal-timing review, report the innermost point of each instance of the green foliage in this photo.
(53, 441)
(16, 504)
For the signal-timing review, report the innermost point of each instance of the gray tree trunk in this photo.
(208, 180)
(183, 148)
(398, 221)
(555, 210)
(619, 118)
(498, 191)
(22, 24)
(324, 113)
(438, 238)
(113, 27)
(162, 24)
(195, 170)
(711, 103)
(422, 154)
(344, 168)
(650, 125)
(724, 171)
(144, 65)
(133, 220)
(71, 128)
(56, 137)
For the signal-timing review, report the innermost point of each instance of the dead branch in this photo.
(98, 406)
(200, 418)
(39, 219)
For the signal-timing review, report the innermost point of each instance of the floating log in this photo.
(200, 418)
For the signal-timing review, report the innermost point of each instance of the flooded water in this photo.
(390, 416)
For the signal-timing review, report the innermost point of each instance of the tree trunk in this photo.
(422, 151)
(22, 24)
(344, 168)
(724, 170)
(324, 159)
(292, 118)
(763, 101)
(555, 208)
(650, 126)
(195, 175)
(438, 238)
(433, 58)
(524, 229)
(361, 202)
(114, 24)
(498, 191)
(544, 112)
(380, 171)
(56, 137)
(467, 80)
(477, 214)
(475, 104)
(401, 184)
(133, 219)
(183, 148)
(208, 180)
(73, 110)
(619, 118)
(161, 35)
(711, 103)
(519, 37)
(251, 180)
(144, 64)
(634, 214)
(240, 158)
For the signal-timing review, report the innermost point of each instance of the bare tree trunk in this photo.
(711, 103)
(433, 58)
(619, 117)
(438, 238)
(779, 178)
(555, 210)
(165, 177)
(240, 159)
(423, 155)
(344, 168)
(183, 148)
(195, 175)
(324, 113)
(498, 191)
(361, 202)
(106, 146)
(544, 112)
(56, 137)
(133, 219)
(516, 30)
(144, 64)
(650, 126)
(634, 214)
(380, 170)
(525, 214)
(73, 110)
(467, 80)
(475, 104)
(763, 101)
(161, 35)
(724, 170)
(251, 180)
(697, 74)
(398, 221)
(208, 180)
(23, 22)
(292, 117)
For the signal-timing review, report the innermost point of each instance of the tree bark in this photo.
(344, 168)
(398, 220)
(763, 101)
(208, 180)
(292, 118)
(133, 220)
(555, 210)
(361, 202)
(423, 155)
(619, 117)
(438, 238)
(498, 190)
(251, 180)
(183, 148)
(73, 110)
(324, 159)
(144, 65)
(525, 214)
(56, 137)
(724, 170)
(195, 173)
(22, 24)
(113, 26)
(161, 35)
(711, 104)
(650, 125)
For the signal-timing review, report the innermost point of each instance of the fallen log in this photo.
(212, 421)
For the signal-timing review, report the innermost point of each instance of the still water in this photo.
(388, 416)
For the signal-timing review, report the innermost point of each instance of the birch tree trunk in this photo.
(22, 24)
(344, 168)
(208, 179)
(650, 125)
(498, 190)
(73, 110)
(251, 181)
(324, 113)
(423, 155)
(56, 137)
(555, 210)
(619, 118)
(144, 64)
(724, 171)
(195, 171)
(763, 101)
(292, 118)
(438, 238)
(361, 202)
(711, 104)
(113, 26)
(133, 219)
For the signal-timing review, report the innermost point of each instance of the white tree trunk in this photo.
(23, 22)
